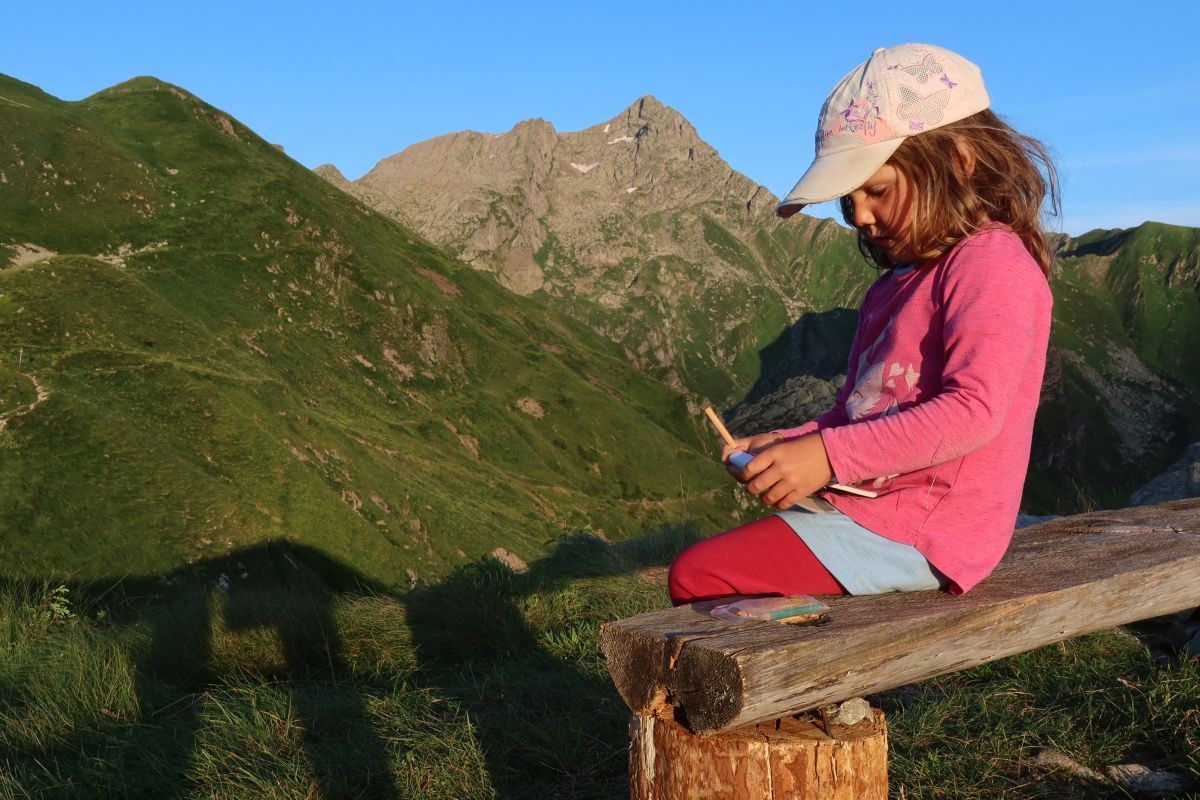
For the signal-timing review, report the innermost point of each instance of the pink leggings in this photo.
(763, 557)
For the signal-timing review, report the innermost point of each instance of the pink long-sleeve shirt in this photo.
(937, 411)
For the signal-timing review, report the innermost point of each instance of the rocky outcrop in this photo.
(480, 195)
(334, 175)
(1180, 481)
(798, 400)
(497, 199)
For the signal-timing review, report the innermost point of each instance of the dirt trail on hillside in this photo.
(42, 395)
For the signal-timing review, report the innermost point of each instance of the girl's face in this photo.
(883, 211)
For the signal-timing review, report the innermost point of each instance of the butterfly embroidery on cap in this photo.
(922, 71)
(921, 111)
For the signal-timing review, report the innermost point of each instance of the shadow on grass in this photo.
(520, 650)
(248, 676)
(273, 605)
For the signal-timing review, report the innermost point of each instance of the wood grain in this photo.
(787, 760)
(1063, 578)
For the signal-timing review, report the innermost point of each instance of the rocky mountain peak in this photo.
(631, 220)
(488, 196)
(538, 127)
(332, 174)
(649, 126)
(646, 105)
(649, 109)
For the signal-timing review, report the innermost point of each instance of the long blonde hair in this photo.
(963, 175)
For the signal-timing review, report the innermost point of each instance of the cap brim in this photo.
(835, 175)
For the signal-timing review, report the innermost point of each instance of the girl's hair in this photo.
(963, 174)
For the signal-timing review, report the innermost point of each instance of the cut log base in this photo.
(794, 758)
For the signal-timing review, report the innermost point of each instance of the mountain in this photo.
(638, 228)
(634, 226)
(204, 346)
(1122, 394)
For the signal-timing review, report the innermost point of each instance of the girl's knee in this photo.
(692, 577)
(679, 580)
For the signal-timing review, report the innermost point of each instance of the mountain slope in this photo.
(205, 346)
(635, 226)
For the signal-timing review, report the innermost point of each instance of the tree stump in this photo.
(787, 759)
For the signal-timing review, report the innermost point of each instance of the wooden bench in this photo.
(706, 693)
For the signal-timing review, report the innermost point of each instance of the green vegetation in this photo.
(16, 390)
(276, 672)
(727, 247)
(651, 223)
(233, 352)
(611, 228)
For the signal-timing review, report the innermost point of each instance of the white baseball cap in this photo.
(896, 93)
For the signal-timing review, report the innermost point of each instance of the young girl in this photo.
(946, 366)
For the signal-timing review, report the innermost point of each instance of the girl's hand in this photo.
(748, 444)
(783, 474)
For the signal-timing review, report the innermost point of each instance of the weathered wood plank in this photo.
(1063, 578)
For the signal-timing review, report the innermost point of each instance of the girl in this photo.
(946, 366)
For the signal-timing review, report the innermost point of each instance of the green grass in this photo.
(235, 352)
(16, 390)
(1098, 699)
(278, 672)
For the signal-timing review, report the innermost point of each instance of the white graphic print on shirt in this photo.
(880, 387)
(877, 392)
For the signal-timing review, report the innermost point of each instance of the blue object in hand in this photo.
(740, 458)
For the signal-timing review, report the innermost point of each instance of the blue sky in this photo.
(1113, 88)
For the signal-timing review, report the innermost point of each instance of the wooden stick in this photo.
(720, 426)
(721, 429)
(848, 489)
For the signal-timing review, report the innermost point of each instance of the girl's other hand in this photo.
(785, 473)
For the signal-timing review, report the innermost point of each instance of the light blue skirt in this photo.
(862, 561)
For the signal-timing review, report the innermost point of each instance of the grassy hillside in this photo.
(717, 315)
(230, 351)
